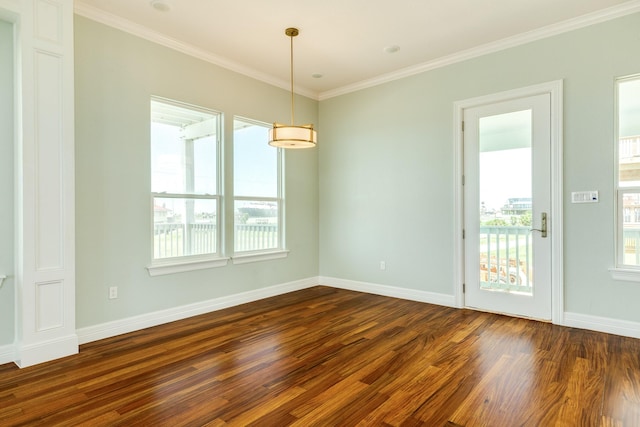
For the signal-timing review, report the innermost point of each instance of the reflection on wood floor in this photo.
(325, 356)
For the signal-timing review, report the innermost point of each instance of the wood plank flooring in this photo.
(331, 357)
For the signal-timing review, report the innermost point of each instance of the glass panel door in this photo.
(507, 199)
(505, 242)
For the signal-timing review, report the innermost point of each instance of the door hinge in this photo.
(462, 179)
(464, 288)
(463, 126)
(463, 234)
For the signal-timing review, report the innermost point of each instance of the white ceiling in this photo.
(345, 40)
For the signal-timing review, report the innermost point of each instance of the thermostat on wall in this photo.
(584, 197)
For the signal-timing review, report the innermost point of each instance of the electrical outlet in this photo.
(113, 292)
(383, 265)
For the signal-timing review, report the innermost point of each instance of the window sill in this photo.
(175, 266)
(259, 256)
(626, 274)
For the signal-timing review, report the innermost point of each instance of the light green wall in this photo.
(6, 184)
(115, 75)
(387, 160)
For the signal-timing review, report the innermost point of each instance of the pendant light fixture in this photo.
(292, 136)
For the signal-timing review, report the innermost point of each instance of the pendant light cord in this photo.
(291, 38)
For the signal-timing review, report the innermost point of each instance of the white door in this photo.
(507, 206)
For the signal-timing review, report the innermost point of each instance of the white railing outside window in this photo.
(185, 181)
(258, 190)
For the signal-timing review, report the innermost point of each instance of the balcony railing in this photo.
(629, 147)
(631, 238)
(255, 237)
(505, 259)
(179, 239)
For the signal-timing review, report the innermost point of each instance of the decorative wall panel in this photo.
(49, 189)
(49, 305)
(49, 21)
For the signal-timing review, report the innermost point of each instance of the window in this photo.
(258, 207)
(628, 183)
(185, 184)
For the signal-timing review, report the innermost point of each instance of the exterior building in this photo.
(517, 206)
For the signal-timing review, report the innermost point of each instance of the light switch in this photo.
(584, 197)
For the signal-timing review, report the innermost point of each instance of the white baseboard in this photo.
(390, 291)
(130, 324)
(30, 355)
(7, 354)
(602, 324)
(122, 326)
(582, 321)
(45, 351)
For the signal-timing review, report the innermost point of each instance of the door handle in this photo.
(543, 225)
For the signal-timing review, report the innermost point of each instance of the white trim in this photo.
(123, 326)
(7, 354)
(517, 40)
(625, 274)
(135, 323)
(182, 266)
(130, 27)
(458, 205)
(607, 325)
(621, 271)
(390, 291)
(45, 351)
(44, 190)
(95, 14)
(259, 256)
(555, 89)
(10, 11)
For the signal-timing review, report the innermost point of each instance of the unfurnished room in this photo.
(340, 213)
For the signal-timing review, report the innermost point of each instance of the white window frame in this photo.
(243, 257)
(621, 271)
(170, 265)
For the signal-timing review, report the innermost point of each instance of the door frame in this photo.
(555, 90)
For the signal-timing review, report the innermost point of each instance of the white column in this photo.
(45, 216)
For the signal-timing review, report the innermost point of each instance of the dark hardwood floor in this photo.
(326, 356)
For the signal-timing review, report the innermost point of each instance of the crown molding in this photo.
(125, 25)
(517, 40)
(143, 32)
